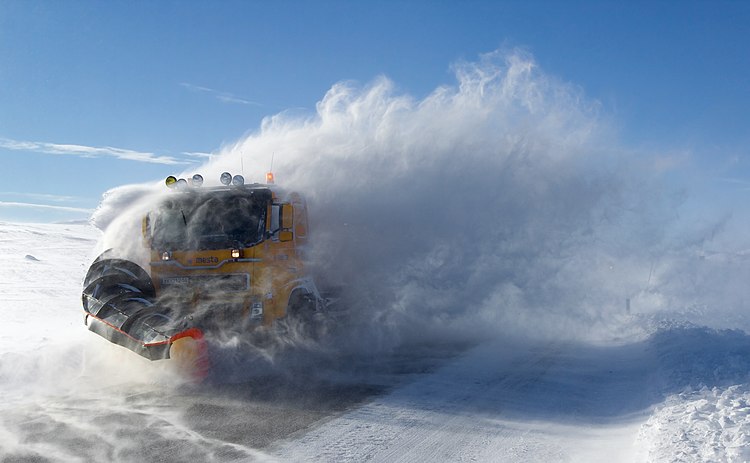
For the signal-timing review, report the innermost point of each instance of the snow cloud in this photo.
(503, 203)
(473, 206)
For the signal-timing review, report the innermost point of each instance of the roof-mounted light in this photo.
(226, 178)
(269, 178)
(171, 181)
(197, 180)
(181, 183)
(238, 180)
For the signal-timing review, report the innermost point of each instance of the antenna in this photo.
(242, 163)
(273, 153)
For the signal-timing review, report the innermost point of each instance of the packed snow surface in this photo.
(559, 402)
(677, 393)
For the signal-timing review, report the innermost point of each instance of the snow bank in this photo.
(709, 424)
(704, 375)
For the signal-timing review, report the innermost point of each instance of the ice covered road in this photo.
(679, 393)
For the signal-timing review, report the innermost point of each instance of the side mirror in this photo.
(287, 217)
(285, 235)
(146, 231)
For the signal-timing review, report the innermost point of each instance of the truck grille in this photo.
(224, 283)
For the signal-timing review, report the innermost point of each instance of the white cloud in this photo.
(45, 206)
(224, 97)
(88, 151)
(197, 154)
(42, 196)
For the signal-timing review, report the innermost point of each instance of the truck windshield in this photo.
(216, 219)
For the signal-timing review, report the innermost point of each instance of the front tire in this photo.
(302, 317)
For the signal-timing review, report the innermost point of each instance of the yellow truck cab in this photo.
(223, 258)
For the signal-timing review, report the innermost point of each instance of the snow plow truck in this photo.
(229, 257)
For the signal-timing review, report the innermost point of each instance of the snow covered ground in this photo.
(676, 392)
(679, 395)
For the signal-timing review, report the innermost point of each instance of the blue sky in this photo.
(98, 94)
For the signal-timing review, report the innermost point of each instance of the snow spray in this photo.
(502, 203)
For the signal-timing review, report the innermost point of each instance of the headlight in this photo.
(235, 253)
(166, 255)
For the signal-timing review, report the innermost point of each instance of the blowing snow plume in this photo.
(487, 205)
(502, 204)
